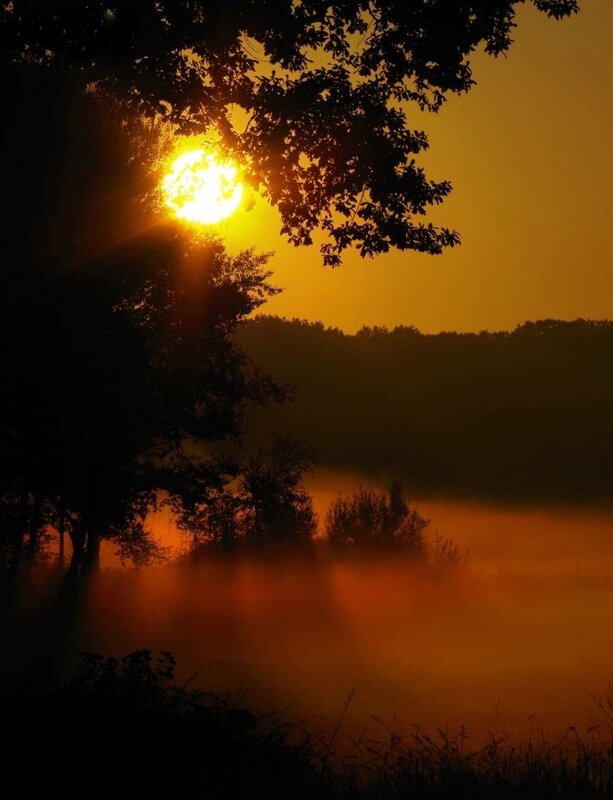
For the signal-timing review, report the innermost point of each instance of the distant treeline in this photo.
(524, 414)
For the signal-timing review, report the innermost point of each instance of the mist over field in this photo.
(516, 640)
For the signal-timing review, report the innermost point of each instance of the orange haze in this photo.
(523, 630)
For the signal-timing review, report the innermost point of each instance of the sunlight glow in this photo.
(202, 189)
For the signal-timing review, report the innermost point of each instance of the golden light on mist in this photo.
(201, 188)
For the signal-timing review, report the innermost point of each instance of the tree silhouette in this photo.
(279, 510)
(313, 97)
(118, 367)
(265, 507)
(109, 397)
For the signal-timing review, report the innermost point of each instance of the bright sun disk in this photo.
(202, 189)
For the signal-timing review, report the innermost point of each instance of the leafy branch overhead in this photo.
(311, 95)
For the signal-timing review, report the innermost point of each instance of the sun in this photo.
(201, 188)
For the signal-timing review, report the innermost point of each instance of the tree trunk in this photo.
(77, 539)
(91, 562)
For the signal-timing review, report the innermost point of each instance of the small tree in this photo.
(264, 506)
(370, 519)
(279, 510)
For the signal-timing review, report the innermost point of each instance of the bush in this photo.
(372, 519)
(123, 728)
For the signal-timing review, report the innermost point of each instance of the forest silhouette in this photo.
(521, 415)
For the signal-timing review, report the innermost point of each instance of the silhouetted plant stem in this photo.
(91, 560)
(77, 538)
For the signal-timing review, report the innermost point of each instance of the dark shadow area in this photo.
(124, 728)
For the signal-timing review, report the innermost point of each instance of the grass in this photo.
(124, 728)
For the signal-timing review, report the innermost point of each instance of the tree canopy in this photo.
(313, 97)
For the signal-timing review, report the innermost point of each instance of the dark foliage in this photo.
(279, 509)
(109, 402)
(313, 97)
(525, 414)
(373, 520)
(123, 728)
(266, 506)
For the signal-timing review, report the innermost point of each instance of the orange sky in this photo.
(529, 154)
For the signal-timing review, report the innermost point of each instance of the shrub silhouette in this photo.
(123, 728)
(372, 519)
